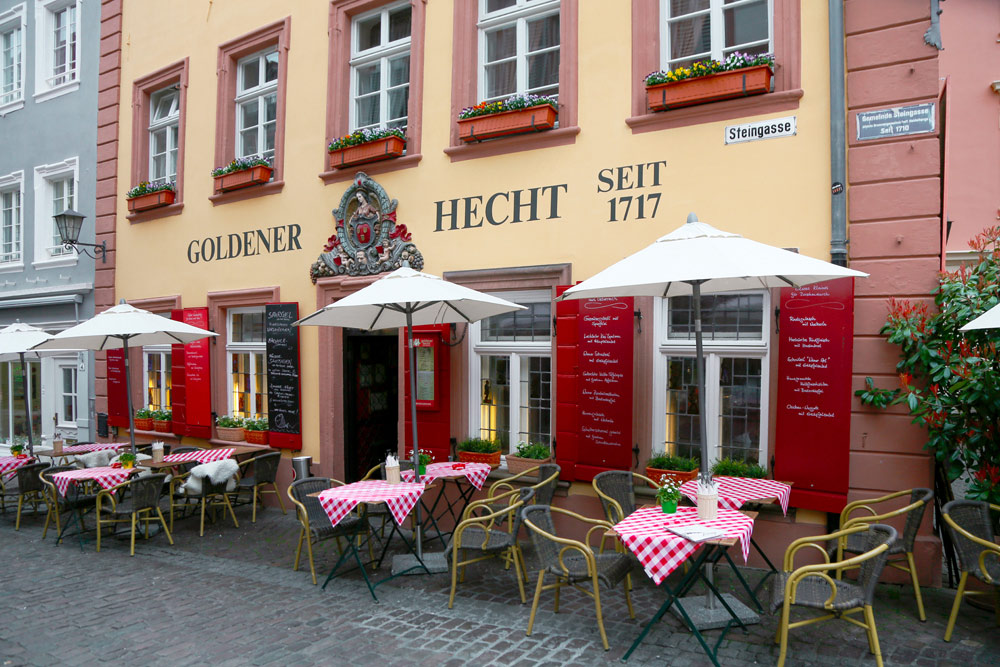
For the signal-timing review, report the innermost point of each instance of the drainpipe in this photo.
(838, 137)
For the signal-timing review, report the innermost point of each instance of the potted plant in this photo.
(479, 450)
(425, 457)
(242, 172)
(162, 421)
(229, 428)
(669, 494)
(255, 431)
(528, 456)
(368, 145)
(127, 460)
(149, 195)
(17, 449)
(515, 115)
(679, 468)
(726, 467)
(144, 419)
(739, 75)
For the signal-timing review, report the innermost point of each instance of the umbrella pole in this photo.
(413, 416)
(128, 391)
(706, 474)
(27, 405)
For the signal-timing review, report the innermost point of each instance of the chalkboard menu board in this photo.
(283, 403)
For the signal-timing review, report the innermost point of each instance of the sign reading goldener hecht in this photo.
(527, 205)
(245, 244)
(896, 122)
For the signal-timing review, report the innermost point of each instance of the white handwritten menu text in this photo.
(605, 366)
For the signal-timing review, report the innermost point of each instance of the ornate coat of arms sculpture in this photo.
(367, 240)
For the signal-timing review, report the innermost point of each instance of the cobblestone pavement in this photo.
(231, 598)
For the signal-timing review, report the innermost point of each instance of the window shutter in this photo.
(284, 404)
(117, 389)
(177, 393)
(567, 385)
(433, 414)
(197, 378)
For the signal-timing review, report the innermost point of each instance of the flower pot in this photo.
(385, 148)
(255, 437)
(144, 423)
(680, 476)
(422, 469)
(151, 200)
(711, 88)
(244, 178)
(518, 121)
(163, 426)
(475, 457)
(127, 465)
(668, 506)
(229, 433)
(518, 464)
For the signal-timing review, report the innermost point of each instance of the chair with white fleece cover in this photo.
(209, 483)
(98, 459)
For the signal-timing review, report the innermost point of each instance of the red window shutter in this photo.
(433, 416)
(197, 378)
(177, 393)
(567, 385)
(117, 389)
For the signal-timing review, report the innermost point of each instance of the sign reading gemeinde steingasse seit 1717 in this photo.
(762, 129)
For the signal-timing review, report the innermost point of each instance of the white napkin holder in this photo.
(708, 501)
(157, 452)
(392, 470)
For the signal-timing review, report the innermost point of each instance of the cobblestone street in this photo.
(231, 598)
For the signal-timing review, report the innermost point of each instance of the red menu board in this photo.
(812, 438)
(197, 378)
(605, 328)
(117, 389)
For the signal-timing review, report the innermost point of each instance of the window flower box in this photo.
(230, 433)
(478, 457)
(255, 437)
(163, 425)
(147, 196)
(368, 145)
(244, 178)
(144, 423)
(739, 75)
(515, 115)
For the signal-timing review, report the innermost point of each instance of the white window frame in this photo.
(45, 226)
(14, 19)
(520, 14)
(233, 347)
(385, 52)
(61, 365)
(717, 31)
(164, 352)
(714, 350)
(8, 399)
(13, 183)
(172, 120)
(516, 350)
(46, 87)
(258, 92)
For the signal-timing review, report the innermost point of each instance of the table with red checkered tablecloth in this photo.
(735, 491)
(660, 551)
(93, 447)
(106, 477)
(12, 463)
(476, 473)
(201, 456)
(401, 498)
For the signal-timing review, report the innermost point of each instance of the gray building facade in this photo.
(49, 54)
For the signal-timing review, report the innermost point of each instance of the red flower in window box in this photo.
(242, 173)
(481, 122)
(356, 148)
(709, 88)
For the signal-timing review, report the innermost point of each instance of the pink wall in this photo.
(971, 61)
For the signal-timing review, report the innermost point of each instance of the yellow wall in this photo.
(775, 191)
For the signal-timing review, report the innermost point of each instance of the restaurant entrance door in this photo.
(371, 389)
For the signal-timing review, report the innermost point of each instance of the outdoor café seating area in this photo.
(459, 525)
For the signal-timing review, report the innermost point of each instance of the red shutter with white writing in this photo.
(117, 389)
(178, 397)
(567, 385)
(197, 378)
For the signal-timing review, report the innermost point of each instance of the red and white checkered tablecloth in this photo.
(107, 477)
(476, 473)
(12, 463)
(338, 502)
(735, 491)
(92, 447)
(660, 551)
(201, 456)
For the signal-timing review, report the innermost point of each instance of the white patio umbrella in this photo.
(697, 259)
(988, 320)
(16, 341)
(408, 298)
(118, 327)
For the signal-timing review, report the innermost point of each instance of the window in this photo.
(164, 127)
(11, 194)
(12, 393)
(519, 48)
(57, 51)
(56, 187)
(156, 368)
(712, 29)
(12, 30)
(63, 198)
(246, 350)
(67, 400)
(380, 68)
(512, 372)
(736, 353)
(252, 73)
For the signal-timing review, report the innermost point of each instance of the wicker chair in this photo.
(545, 489)
(212, 495)
(812, 586)
(29, 488)
(978, 554)
(265, 471)
(140, 503)
(75, 500)
(479, 531)
(316, 525)
(616, 489)
(902, 548)
(573, 562)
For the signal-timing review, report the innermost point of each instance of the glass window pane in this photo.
(367, 111)
(250, 74)
(543, 33)
(269, 138)
(682, 435)
(531, 324)
(270, 107)
(369, 32)
(271, 66)
(739, 417)
(501, 79)
(398, 102)
(496, 5)
(399, 71)
(501, 43)
(535, 398)
(690, 37)
(681, 7)
(248, 143)
(399, 24)
(369, 78)
(159, 168)
(495, 405)
(160, 141)
(248, 114)
(5, 401)
(543, 69)
(746, 23)
(724, 317)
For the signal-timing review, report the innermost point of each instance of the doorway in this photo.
(371, 390)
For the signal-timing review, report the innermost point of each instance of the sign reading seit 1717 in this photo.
(762, 129)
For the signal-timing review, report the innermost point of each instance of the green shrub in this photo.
(479, 446)
(162, 415)
(143, 413)
(255, 424)
(667, 462)
(726, 467)
(534, 450)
